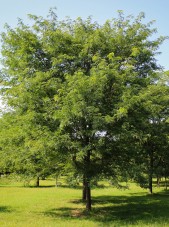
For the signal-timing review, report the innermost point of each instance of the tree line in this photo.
(84, 99)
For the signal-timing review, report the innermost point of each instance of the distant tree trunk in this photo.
(37, 182)
(165, 175)
(84, 188)
(151, 172)
(165, 183)
(57, 178)
(158, 181)
(150, 184)
(56, 181)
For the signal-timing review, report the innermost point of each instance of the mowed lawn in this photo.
(49, 206)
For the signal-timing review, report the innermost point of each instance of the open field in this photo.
(49, 206)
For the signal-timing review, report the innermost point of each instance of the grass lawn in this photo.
(48, 206)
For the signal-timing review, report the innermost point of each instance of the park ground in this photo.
(50, 206)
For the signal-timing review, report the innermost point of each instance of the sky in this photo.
(100, 10)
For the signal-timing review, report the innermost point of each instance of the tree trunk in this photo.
(87, 182)
(57, 178)
(84, 189)
(151, 173)
(165, 176)
(88, 195)
(165, 182)
(158, 181)
(37, 182)
(150, 184)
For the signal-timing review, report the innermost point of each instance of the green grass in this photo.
(49, 206)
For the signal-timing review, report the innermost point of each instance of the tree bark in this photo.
(57, 178)
(151, 173)
(88, 195)
(87, 183)
(150, 184)
(37, 182)
(165, 182)
(84, 189)
(158, 181)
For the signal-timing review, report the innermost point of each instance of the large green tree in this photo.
(79, 81)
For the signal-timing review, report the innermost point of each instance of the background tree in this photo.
(26, 150)
(152, 130)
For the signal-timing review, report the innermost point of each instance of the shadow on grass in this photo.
(69, 186)
(123, 209)
(40, 186)
(5, 209)
(80, 187)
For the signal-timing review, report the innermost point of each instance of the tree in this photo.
(77, 81)
(152, 129)
(25, 148)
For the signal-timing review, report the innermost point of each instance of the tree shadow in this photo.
(69, 186)
(40, 186)
(80, 186)
(5, 209)
(124, 209)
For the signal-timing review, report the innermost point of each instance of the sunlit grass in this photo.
(50, 206)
